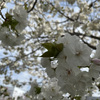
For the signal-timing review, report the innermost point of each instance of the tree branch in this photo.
(61, 12)
(32, 7)
(2, 15)
(91, 46)
(80, 34)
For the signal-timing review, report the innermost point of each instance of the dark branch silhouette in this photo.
(32, 7)
(84, 35)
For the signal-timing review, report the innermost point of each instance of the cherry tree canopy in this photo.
(53, 40)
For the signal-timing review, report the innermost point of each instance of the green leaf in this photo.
(26, 6)
(10, 21)
(76, 98)
(53, 49)
(47, 54)
(48, 46)
(59, 47)
(38, 90)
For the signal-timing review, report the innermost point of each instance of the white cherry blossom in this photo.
(21, 16)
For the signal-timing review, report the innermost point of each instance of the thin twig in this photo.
(2, 15)
(32, 7)
(80, 34)
(91, 46)
(4, 67)
(61, 12)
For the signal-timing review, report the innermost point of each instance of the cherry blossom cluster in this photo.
(74, 56)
